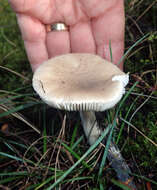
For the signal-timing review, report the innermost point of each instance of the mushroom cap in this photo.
(79, 82)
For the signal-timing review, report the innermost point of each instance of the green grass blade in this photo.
(73, 135)
(121, 185)
(17, 144)
(106, 149)
(9, 147)
(9, 179)
(14, 173)
(32, 186)
(80, 160)
(101, 186)
(22, 88)
(15, 158)
(110, 47)
(145, 178)
(46, 181)
(78, 179)
(125, 97)
(5, 100)
(75, 155)
(44, 131)
(18, 108)
(130, 49)
(123, 124)
(11, 156)
(77, 142)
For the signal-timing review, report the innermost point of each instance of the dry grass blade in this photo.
(146, 10)
(139, 108)
(139, 131)
(4, 188)
(14, 72)
(97, 159)
(148, 71)
(135, 23)
(60, 138)
(20, 117)
(33, 145)
(143, 95)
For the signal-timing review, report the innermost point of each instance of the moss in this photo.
(12, 52)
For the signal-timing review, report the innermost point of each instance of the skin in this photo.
(93, 25)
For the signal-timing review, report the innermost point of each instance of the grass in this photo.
(41, 148)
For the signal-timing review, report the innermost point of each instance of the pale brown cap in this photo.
(80, 82)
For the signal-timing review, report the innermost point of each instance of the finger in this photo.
(34, 35)
(109, 28)
(95, 8)
(81, 38)
(114, 55)
(57, 43)
(22, 5)
(45, 10)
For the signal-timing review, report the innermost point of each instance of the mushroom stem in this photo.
(92, 132)
(90, 126)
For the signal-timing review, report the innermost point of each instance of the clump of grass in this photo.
(12, 53)
(42, 148)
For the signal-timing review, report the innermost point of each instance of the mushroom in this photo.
(84, 83)
(80, 82)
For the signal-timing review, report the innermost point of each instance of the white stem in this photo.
(90, 126)
(92, 132)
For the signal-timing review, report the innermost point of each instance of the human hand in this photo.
(93, 24)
